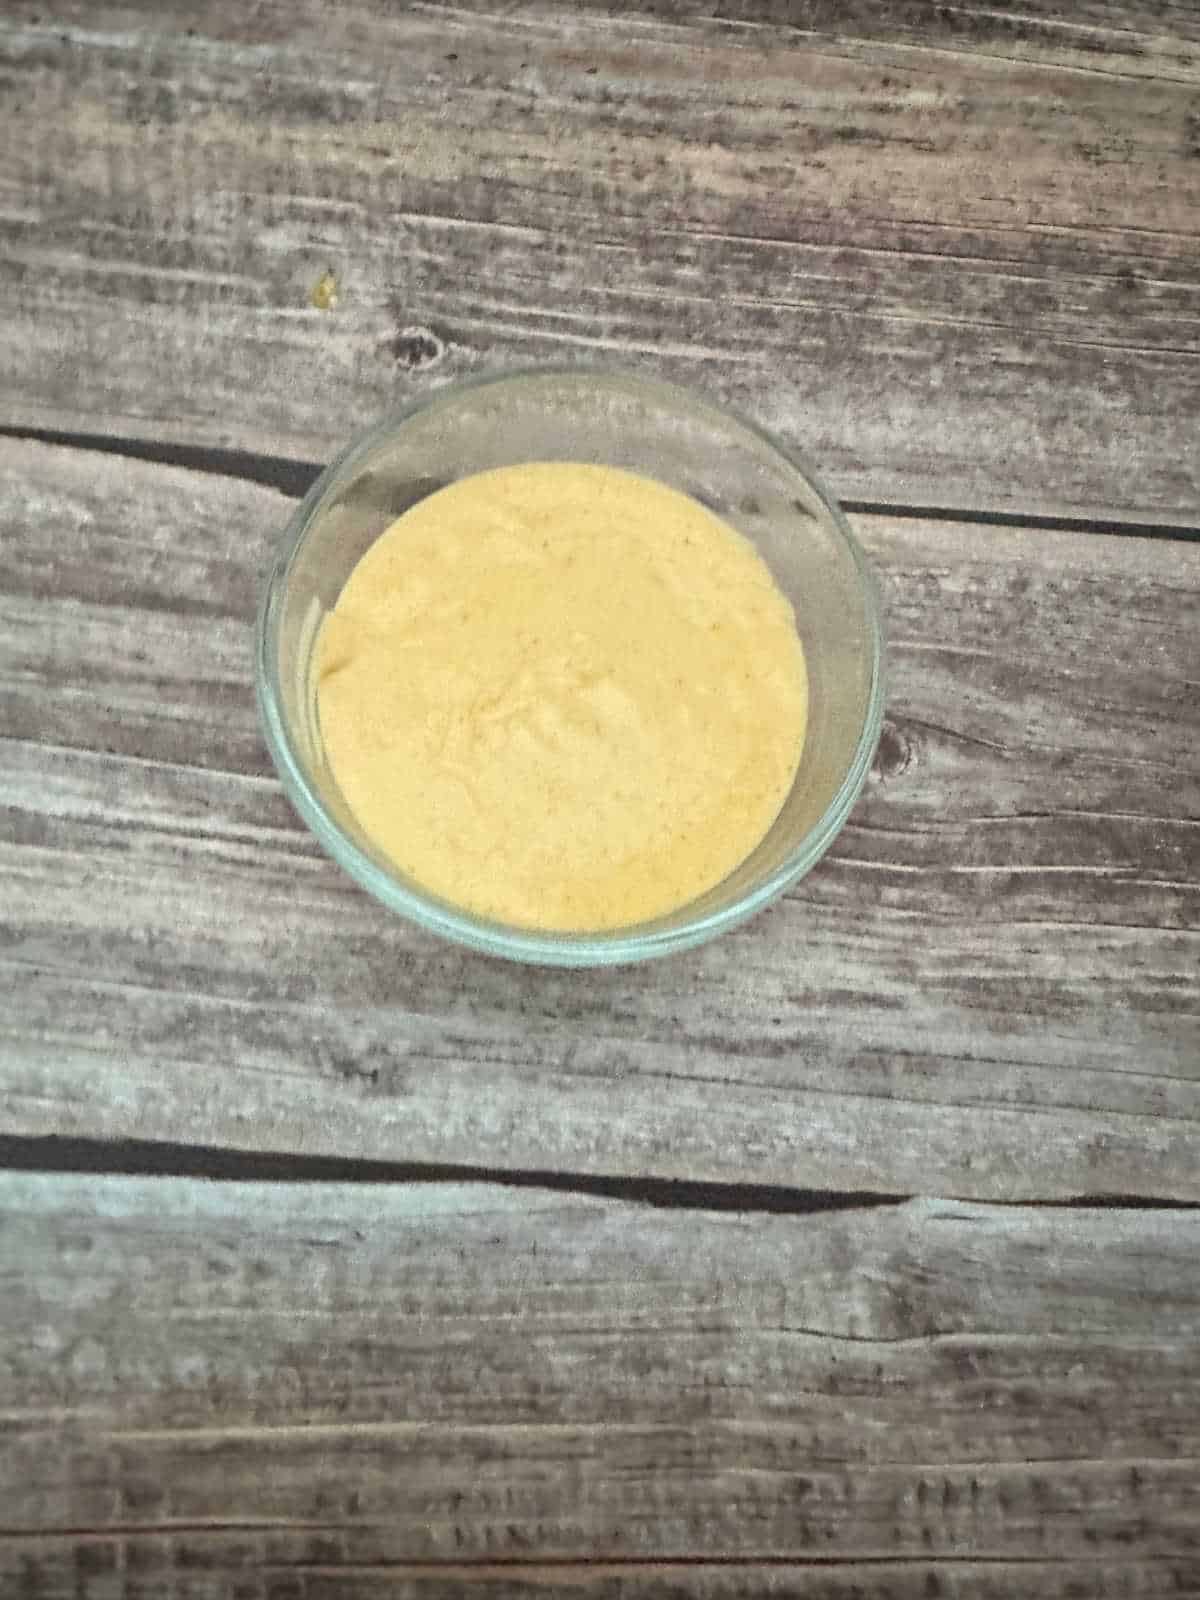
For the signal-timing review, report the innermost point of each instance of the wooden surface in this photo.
(953, 247)
(856, 1254)
(314, 1379)
(987, 990)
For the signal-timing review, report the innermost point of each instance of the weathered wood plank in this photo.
(949, 250)
(219, 1566)
(215, 1568)
(901, 1348)
(988, 989)
(211, 1381)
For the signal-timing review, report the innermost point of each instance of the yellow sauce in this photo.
(561, 696)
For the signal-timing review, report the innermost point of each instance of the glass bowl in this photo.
(612, 420)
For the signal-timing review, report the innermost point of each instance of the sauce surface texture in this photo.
(563, 697)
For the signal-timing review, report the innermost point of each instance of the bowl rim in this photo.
(462, 927)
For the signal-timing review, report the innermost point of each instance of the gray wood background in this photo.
(854, 1255)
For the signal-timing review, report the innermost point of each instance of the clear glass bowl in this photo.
(614, 420)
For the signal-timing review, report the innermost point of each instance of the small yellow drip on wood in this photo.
(324, 293)
(564, 697)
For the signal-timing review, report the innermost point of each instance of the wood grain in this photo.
(988, 989)
(218, 1568)
(210, 1382)
(949, 250)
